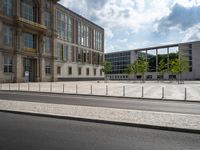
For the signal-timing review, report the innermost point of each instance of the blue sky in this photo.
(131, 24)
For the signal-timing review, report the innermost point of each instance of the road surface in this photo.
(26, 132)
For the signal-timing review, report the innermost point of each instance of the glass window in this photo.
(83, 35)
(8, 62)
(8, 7)
(79, 71)
(95, 72)
(70, 70)
(98, 40)
(28, 40)
(47, 67)
(47, 45)
(65, 52)
(151, 58)
(87, 71)
(8, 35)
(48, 20)
(27, 10)
(59, 51)
(162, 59)
(58, 70)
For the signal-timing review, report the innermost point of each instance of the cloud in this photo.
(192, 34)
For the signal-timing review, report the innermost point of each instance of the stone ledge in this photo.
(162, 119)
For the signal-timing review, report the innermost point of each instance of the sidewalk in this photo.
(158, 119)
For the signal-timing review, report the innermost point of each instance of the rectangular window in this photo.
(29, 40)
(27, 11)
(65, 52)
(8, 35)
(47, 67)
(95, 72)
(48, 20)
(47, 45)
(8, 7)
(69, 70)
(8, 62)
(58, 70)
(59, 51)
(83, 35)
(87, 71)
(97, 40)
(79, 71)
(101, 72)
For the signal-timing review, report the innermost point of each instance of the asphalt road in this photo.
(24, 132)
(111, 102)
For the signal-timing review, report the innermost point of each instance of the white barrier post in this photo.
(106, 90)
(124, 91)
(163, 92)
(142, 92)
(91, 90)
(185, 94)
(63, 88)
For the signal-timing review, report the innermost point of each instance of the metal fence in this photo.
(119, 90)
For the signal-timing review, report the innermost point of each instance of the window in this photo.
(29, 41)
(8, 64)
(59, 51)
(101, 72)
(58, 70)
(95, 72)
(87, 71)
(48, 20)
(70, 70)
(64, 26)
(47, 45)
(148, 77)
(65, 53)
(8, 35)
(8, 7)
(27, 10)
(79, 71)
(47, 67)
(98, 40)
(83, 35)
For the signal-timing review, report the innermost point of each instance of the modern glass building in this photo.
(154, 55)
(44, 41)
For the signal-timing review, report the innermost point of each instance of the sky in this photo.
(133, 24)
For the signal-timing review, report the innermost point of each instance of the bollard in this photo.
(1, 87)
(9, 86)
(39, 87)
(76, 89)
(124, 91)
(91, 90)
(63, 88)
(107, 90)
(163, 92)
(142, 92)
(185, 94)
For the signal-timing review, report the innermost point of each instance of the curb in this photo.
(125, 97)
(108, 122)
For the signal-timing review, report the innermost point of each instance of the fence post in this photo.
(39, 87)
(91, 90)
(163, 92)
(124, 91)
(9, 86)
(185, 94)
(106, 90)
(18, 86)
(76, 89)
(63, 88)
(51, 87)
(142, 92)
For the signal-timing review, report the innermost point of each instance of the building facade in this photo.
(154, 55)
(44, 41)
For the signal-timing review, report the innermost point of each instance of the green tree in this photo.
(107, 68)
(142, 66)
(178, 66)
(162, 67)
(132, 68)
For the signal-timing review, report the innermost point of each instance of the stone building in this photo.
(42, 40)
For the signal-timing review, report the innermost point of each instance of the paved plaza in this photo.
(150, 89)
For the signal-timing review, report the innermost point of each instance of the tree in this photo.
(132, 68)
(142, 66)
(107, 68)
(162, 67)
(178, 66)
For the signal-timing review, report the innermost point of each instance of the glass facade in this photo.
(8, 36)
(63, 51)
(119, 61)
(8, 7)
(8, 64)
(64, 26)
(83, 34)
